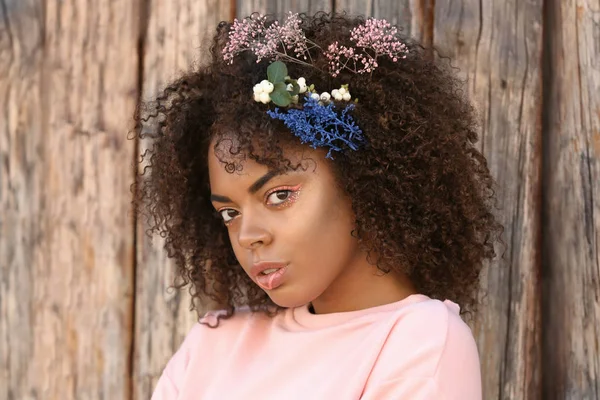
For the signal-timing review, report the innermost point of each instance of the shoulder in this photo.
(213, 328)
(216, 324)
(424, 335)
(430, 353)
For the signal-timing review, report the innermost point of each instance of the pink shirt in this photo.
(417, 348)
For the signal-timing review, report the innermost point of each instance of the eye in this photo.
(279, 197)
(228, 214)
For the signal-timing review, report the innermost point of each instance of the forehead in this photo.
(227, 163)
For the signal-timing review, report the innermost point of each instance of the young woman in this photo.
(318, 180)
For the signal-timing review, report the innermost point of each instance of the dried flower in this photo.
(375, 35)
(322, 126)
(276, 41)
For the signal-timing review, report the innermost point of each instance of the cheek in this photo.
(322, 233)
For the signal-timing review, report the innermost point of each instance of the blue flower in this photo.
(322, 126)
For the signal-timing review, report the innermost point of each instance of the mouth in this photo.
(266, 268)
(269, 275)
(269, 271)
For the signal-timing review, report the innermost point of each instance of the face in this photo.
(298, 223)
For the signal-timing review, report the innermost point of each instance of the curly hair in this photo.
(422, 194)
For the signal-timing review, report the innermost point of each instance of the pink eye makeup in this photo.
(283, 196)
(279, 197)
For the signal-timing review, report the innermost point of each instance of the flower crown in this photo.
(316, 120)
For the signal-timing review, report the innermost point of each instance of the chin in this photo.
(286, 298)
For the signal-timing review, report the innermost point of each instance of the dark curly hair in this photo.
(422, 194)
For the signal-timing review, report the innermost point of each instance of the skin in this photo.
(301, 218)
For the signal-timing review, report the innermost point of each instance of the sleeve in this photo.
(457, 374)
(171, 379)
(165, 388)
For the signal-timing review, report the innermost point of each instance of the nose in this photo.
(253, 232)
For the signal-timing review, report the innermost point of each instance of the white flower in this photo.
(302, 83)
(267, 87)
(335, 93)
(346, 96)
(343, 91)
(325, 97)
(289, 87)
(257, 89)
(264, 98)
(315, 96)
(257, 97)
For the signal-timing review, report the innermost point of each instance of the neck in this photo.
(363, 287)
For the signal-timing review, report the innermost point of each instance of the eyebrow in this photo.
(255, 187)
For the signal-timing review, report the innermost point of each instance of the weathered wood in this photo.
(178, 35)
(497, 45)
(21, 59)
(572, 202)
(68, 85)
(280, 8)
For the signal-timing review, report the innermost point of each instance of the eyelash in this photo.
(293, 196)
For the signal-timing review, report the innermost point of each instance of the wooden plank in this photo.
(21, 60)
(413, 16)
(572, 202)
(281, 7)
(71, 91)
(497, 45)
(177, 36)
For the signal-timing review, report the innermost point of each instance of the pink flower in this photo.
(287, 41)
(376, 35)
(266, 42)
(381, 36)
(243, 34)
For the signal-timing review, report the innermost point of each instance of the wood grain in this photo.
(70, 82)
(177, 36)
(498, 45)
(21, 176)
(572, 202)
(70, 73)
(280, 8)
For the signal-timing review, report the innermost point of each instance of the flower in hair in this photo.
(252, 34)
(376, 37)
(287, 42)
(322, 126)
(312, 116)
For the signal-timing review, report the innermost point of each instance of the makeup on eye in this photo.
(279, 197)
(291, 191)
(226, 219)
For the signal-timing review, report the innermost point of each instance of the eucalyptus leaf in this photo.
(280, 96)
(276, 72)
(295, 88)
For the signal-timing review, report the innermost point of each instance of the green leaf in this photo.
(280, 96)
(295, 88)
(276, 72)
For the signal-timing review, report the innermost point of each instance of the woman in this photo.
(318, 181)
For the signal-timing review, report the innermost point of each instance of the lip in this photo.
(259, 267)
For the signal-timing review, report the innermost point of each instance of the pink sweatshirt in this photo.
(417, 348)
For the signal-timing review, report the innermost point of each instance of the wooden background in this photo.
(84, 313)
